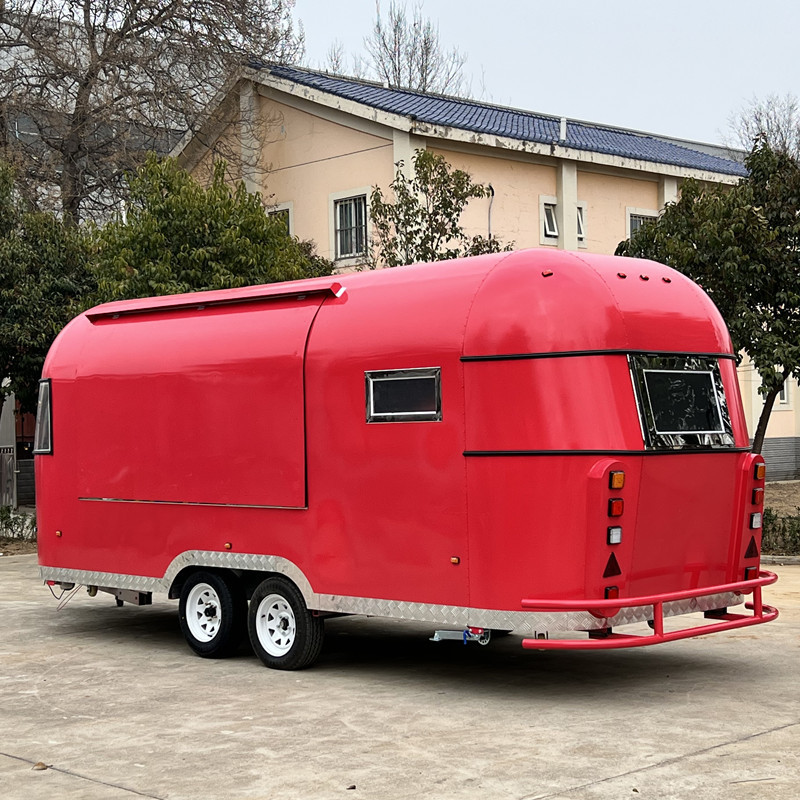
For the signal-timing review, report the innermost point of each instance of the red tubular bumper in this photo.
(761, 613)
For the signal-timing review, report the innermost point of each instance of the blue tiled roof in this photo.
(470, 115)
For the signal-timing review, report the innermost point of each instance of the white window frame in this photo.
(548, 228)
(581, 222)
(276, 208)
(637, 212)
(785, 395)
(333, 199)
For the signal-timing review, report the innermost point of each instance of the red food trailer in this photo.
(543, 442)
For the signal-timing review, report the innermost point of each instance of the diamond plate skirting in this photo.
(524, 622)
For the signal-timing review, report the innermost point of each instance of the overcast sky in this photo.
(675, 67)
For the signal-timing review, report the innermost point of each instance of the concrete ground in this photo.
(114, 703)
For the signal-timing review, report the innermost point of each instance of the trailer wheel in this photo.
(212, 614)
(283, 632)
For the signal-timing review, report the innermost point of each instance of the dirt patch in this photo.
(16, 547)
(783, 498)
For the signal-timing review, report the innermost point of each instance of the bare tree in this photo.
(88, 87)
(336, 61)
(404, 50)
(774, 119)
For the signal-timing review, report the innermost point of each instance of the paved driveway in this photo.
(118, 707)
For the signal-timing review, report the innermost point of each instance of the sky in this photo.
(675, 68)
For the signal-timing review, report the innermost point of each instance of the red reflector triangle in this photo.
(752, 549)
(612, 568)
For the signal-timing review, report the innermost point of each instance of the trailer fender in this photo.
(247, 563)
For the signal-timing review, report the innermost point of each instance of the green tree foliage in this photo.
(742, 245)
(44, 279)
(180, 237)
(423, 222)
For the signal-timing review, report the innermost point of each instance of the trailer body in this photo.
(538, 441)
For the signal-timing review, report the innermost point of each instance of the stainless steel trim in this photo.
(524, 622)
(185, 503)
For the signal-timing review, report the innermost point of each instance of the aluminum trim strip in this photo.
(523, 622)
(186, 503)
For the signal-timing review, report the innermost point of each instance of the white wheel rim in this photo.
(275, 625)
(203, 612)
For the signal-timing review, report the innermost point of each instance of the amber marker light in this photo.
(228, 545)
(455, 560)
(616, 480)
(760, 472)
(615, 507)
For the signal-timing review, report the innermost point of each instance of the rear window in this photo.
(681, 402)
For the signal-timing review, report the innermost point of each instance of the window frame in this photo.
(548, 219)
(581, 223)
(280, 208)
(630, 212)
(334, 201)
(44, 419)
(641, 364)
(409, 373)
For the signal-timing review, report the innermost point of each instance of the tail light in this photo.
(614, 535)
(615, 507)
(616, 479)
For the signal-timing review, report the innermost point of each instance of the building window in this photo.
(581, 224)
(404, 395)
(548, 214)
(350, 215)
(783, 395)
(548, 220)
(283, 212)
(637, 217)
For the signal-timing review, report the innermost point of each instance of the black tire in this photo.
(212, 613)
(283, 632)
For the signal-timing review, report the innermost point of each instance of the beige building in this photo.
(314, 145)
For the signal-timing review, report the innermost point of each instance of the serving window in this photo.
(404, 395)
(681, 402)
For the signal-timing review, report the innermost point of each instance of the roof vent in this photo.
(562, 133)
